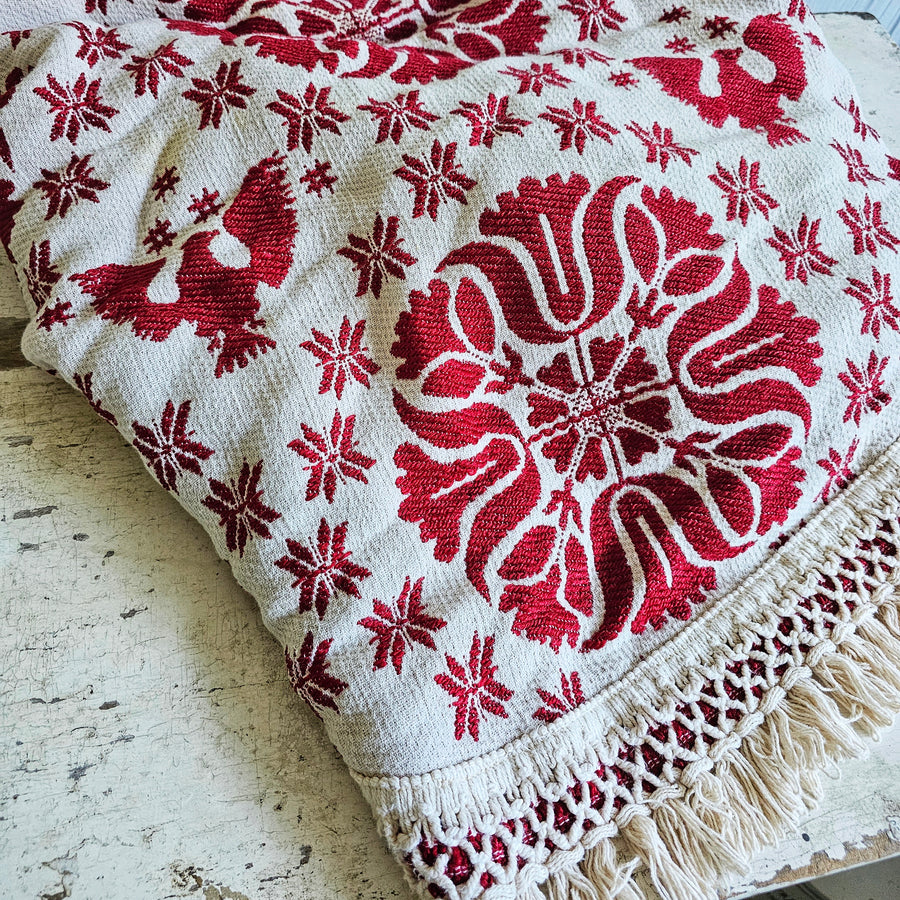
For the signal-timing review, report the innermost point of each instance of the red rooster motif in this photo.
(755, 104)
(220, 300)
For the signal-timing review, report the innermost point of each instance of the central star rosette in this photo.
(603, 408)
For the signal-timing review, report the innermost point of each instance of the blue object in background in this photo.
(886, 11)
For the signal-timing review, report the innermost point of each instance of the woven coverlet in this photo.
(535, 365)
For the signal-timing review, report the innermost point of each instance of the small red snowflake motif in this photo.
(240, 508)
(341, 357)
(318, 178)
(837, 469)
(475, 688)
(436, 178)
(623, 79)
(323, 568)
(578, 126)
(159, 236)
(393, 116)
(893, 168)
(575, 56)
(40, 277)
(675, 14)
(85, 384)
(148, 70)
(310, 678)
(743, 191)
(865, 390)
(168, 447)
(489, 120)
(857, 170)
(660, 144)
(76, 182)
(331, 457)
(556, 706)
(378, 256)
(876, 302)
(396, 628)
(165, 183)
(801, 252)
(205, 206)
(215, 97)
(307, 117)
(533, 80)
(98, 44)
(74, 108)
(867, 227)
(680, 45)
(719, 27)
(594, 17)
(860, 127)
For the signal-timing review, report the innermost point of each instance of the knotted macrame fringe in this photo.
(687, 846)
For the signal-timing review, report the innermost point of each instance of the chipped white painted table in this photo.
(150, 745)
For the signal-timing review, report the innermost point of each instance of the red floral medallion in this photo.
(603, 407)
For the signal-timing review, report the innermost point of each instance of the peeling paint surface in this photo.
(150, 746)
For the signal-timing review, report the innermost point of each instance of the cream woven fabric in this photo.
(533, 364)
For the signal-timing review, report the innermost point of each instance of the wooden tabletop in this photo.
(150, 745)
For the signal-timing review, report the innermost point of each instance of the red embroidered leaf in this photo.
(85, 384)
(323, 568)
(868, 229)
(594, 17)
(661, 146)
(240, 508)
(40, 277)
(534, 79)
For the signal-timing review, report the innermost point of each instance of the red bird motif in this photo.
(756, 104)
(220, 300)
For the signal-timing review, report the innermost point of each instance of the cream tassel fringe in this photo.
(688, 846)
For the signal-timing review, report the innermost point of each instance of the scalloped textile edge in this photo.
(701, 824)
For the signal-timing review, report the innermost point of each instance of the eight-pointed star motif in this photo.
(323, 568)
(167, 446)
(226, 90)
(474, 687)
(307, 116)
(393, 116)
(341, 356)
(308, 671)
(240, 507)
(75, 108)
(865, 389)
(395, 628)
(377, 256)
(489, 120)
(436, 178)
(76, 182)
(332, 457)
